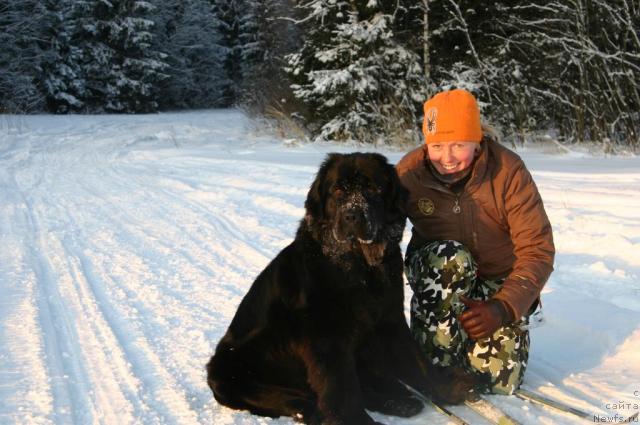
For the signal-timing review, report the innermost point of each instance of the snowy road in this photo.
(127, 242)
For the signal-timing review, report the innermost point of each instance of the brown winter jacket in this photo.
(499, 217)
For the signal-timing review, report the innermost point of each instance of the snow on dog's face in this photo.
(356, 203)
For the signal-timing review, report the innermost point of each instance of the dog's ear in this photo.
(314, 203)
(398, 196)
(316, 198)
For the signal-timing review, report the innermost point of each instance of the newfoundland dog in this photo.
(321, 335)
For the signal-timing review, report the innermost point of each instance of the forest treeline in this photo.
(339, 69)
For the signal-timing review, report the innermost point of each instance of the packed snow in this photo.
(127, 242)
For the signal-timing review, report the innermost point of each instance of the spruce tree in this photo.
(251, 38)
(188, 33)
(266, 35)
(61, 78)
(358, 81)
(581, 61)
(228, 14)
(472, 48)
(20, 38)
(123, 72)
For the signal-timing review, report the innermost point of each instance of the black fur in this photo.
(321, 335)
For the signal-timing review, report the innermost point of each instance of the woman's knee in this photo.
(446, 263)
(501, 359)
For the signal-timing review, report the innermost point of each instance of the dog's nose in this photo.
(351, 216)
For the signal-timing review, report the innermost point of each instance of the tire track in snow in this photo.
(207, 226)
(131, 234)
(88, 336)
(65, 374)
(74, 352)
(149, 388)
(166, 203)
(95, 344)
(68, 377)
(77, 398)
(123, 390)
(120, 248)
(25, 388)
(158, 390)
(249, 216)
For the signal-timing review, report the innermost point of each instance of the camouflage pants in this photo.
(438, 273)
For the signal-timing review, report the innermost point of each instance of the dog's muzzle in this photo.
(354, 223)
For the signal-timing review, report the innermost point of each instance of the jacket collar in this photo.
(480, 167)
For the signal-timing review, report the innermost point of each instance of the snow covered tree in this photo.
(585, 56)
(20, 37)
(266, 35)
(357, 80)
(252, 43)
(228, 14)
(569, 65)
(188, 32)
(473, 48)
(123, 72)
(60, 77)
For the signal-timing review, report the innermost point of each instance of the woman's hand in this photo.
(482, 318)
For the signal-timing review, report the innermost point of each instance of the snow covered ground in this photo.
(126, 243)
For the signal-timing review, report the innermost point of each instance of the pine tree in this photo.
(359, 82)
(472, 48)
(567, 65)
(228, 14)
(583, 58)
(251, 40)
(20, 37)
(266, 35)
(188, 31)
(61, 78)
(123, 72)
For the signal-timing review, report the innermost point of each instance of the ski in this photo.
(438, 407)
(632, 418)
(452, 416)
(548, 402)
(491, 412)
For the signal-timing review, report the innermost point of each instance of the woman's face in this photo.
(451, 157)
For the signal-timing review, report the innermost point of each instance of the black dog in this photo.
(321, 335)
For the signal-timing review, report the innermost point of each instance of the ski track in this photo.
(128, 242)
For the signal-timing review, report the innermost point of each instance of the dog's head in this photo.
(357, 202)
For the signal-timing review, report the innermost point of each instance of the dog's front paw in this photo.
(403, 407)
(457, 387)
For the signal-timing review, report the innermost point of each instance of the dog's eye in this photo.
(374, 190)
(338, 193)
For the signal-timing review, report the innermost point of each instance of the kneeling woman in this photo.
(481, 248)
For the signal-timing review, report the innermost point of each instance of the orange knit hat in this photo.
(452, 116)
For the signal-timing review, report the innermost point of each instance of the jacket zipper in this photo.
(457, 210)
(463, 226)
(456, 206)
